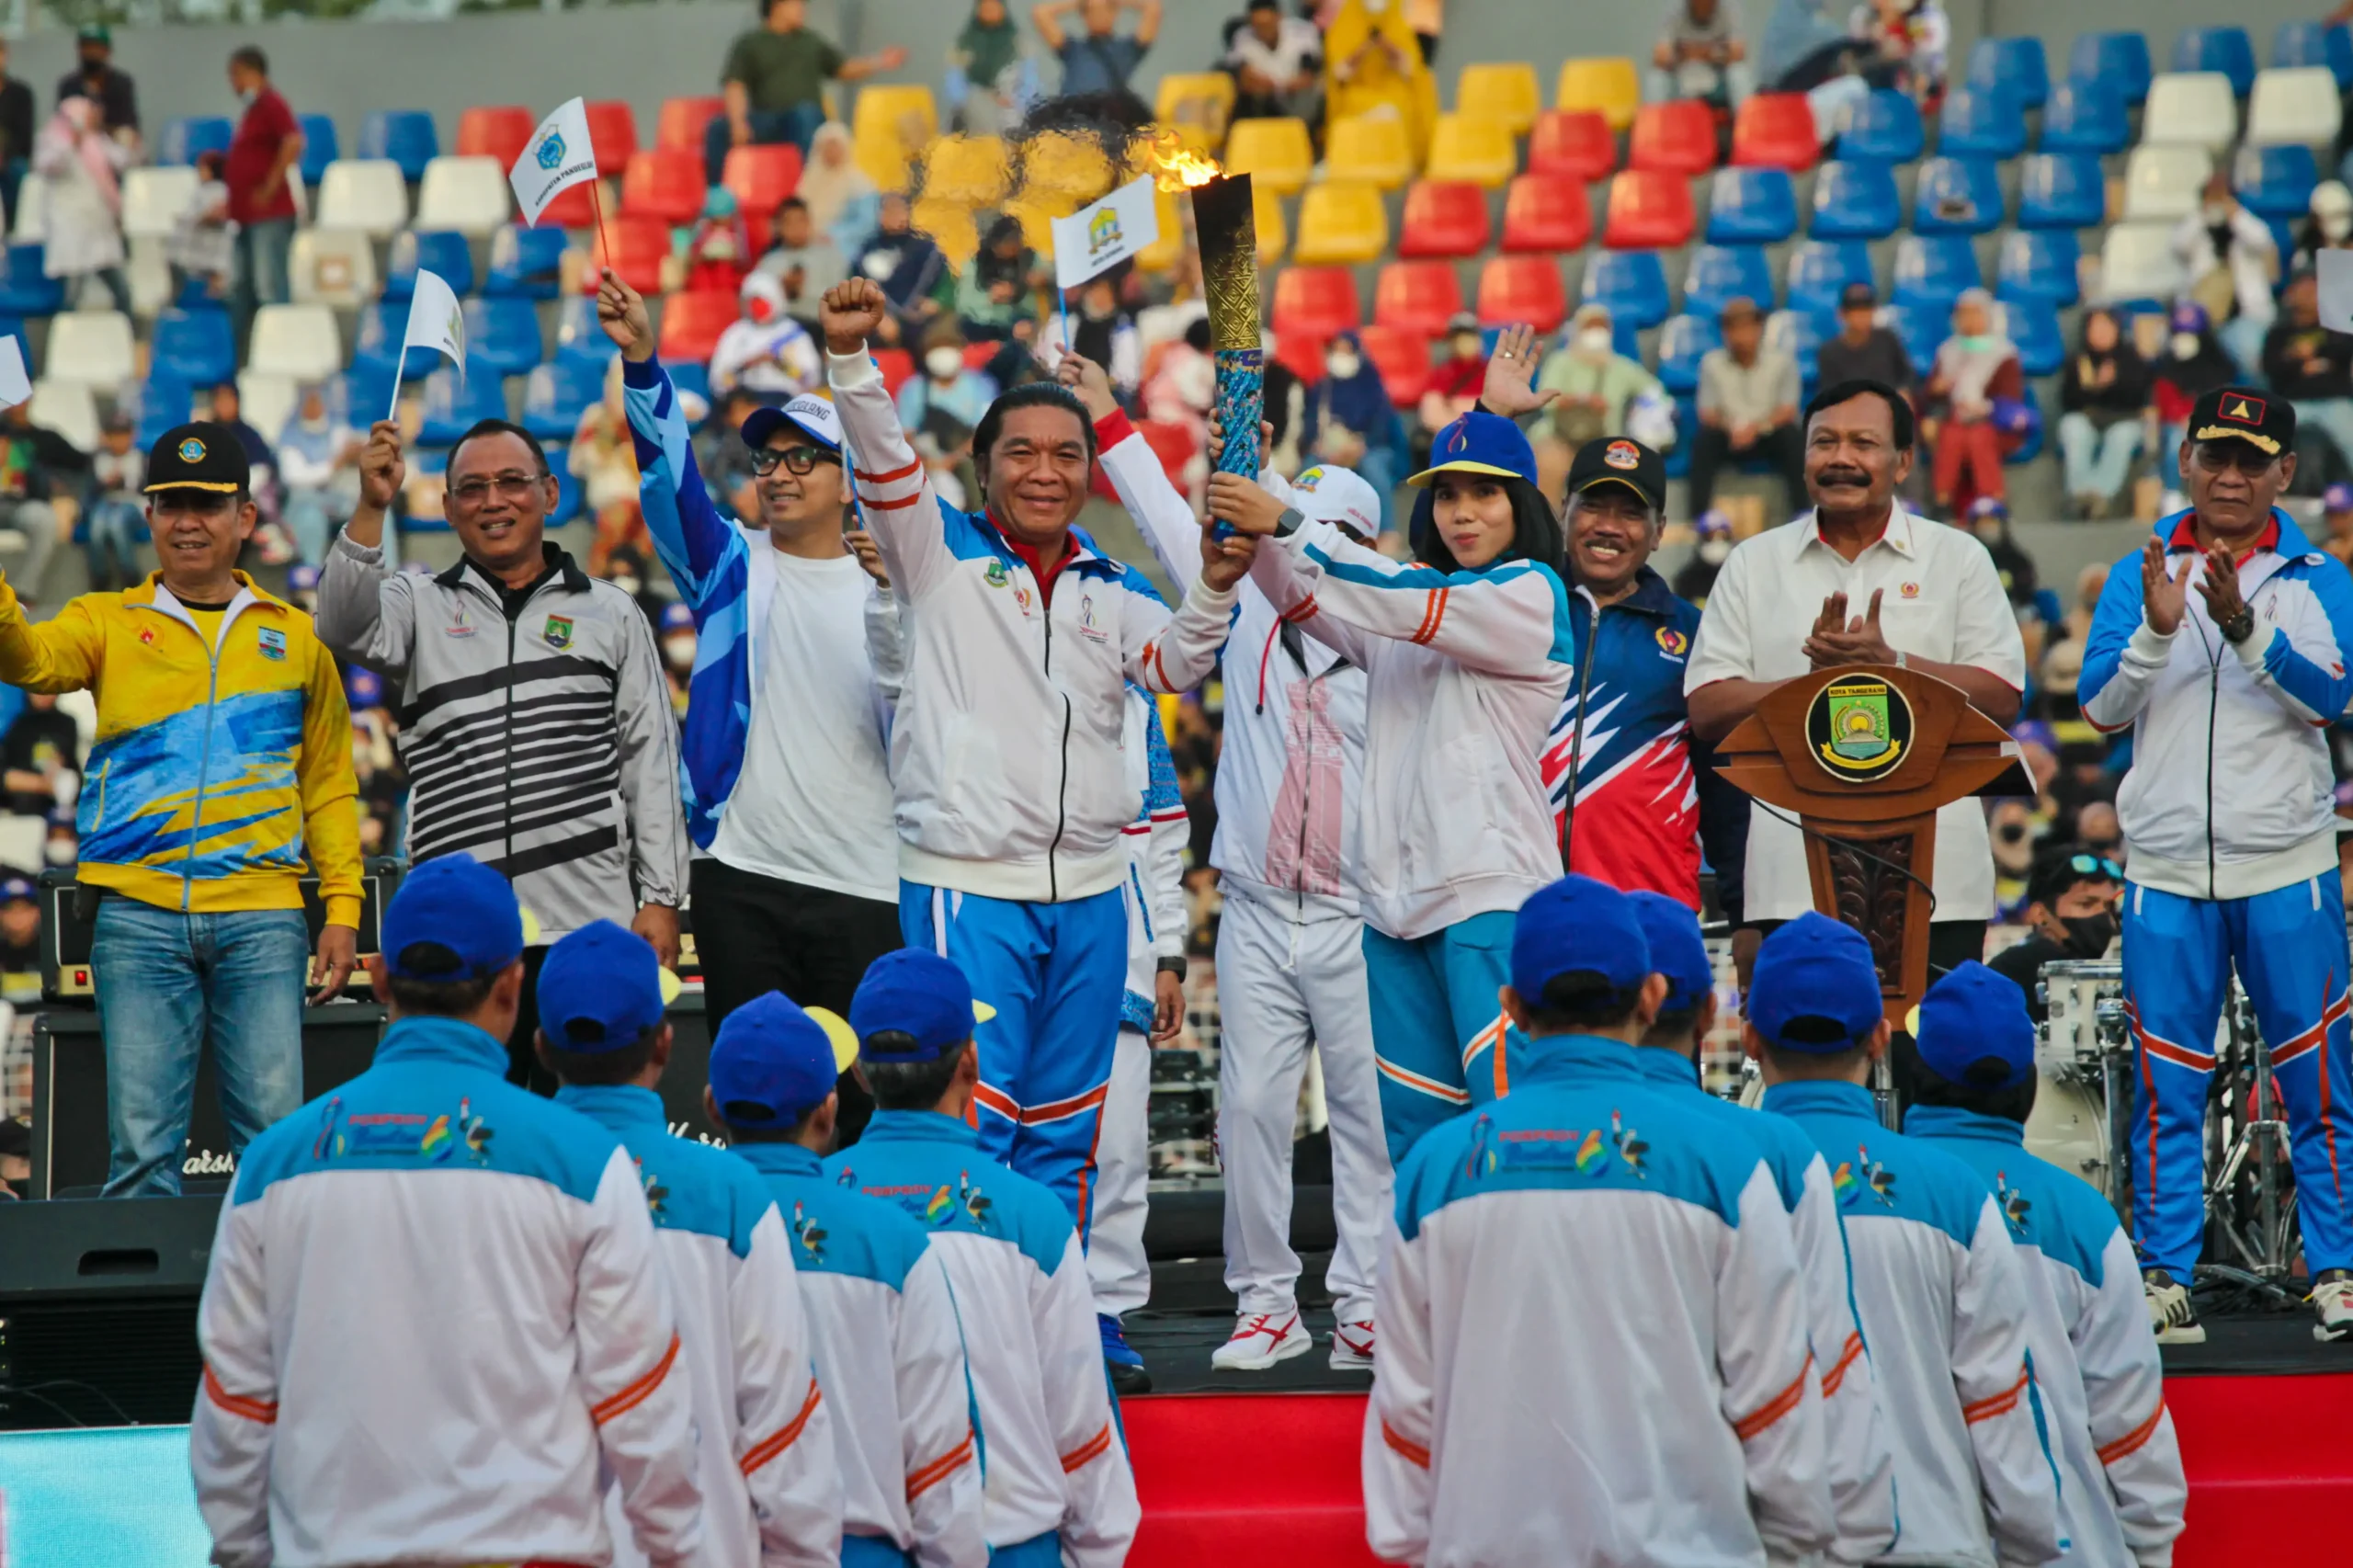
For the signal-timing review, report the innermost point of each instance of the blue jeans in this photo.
(167, 984)
(2097, 462)
(113, 529)
(797, 125)
(260, 269)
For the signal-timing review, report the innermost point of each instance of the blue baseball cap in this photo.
(1577, 925)
(363, 688)
(301, 578)
(1973, 1029)
(2338, 497)
(676, 617)
(14, 887)
(1814, 969)
(453, 918)
(914, 1006)
(601, 988)
(1480, 442)
(774, 1063)
(1671, 931)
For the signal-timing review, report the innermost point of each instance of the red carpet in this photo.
(1237, 1481)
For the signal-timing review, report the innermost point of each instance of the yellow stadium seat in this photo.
(1162, 253)
(968, 170)
(1266, 217)
(1507, 92)
(1610, 85)
(1341, 224)
(1472, 147)
(1200, 103)
(889, 125)
(1065, 165)
(1274, 153)
(952, 226)
(1037, 210)
(1368, 149)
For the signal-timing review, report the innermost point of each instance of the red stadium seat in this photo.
(978, 355)
(1576, 143)
(1649, 209)
(1444, 218)
(1546, 212)
(692, 322)
(1403, 358)
(500, 132)
(1678, 138)
(575, 209)
(1302, 353)
(684, 121)
(1775, 130)
(1418, 296)
(1316, 300)
(1523, 289)
(898, 368)
(665, 183)
(762, 176)
(612, 126)
(640, 246)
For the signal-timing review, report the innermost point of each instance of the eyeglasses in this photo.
(2095, 866)
(2248, 459)
(515, 487)
(796, 460)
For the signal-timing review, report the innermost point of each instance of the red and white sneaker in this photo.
(1261, 1339)
(1352, 1347)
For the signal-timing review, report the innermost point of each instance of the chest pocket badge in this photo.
(273, 644)
(559, 631)
(1672, 642)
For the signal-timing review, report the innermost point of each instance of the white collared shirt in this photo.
(1942, 599)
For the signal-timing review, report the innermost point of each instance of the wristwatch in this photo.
(1175, 966)
(1902, 660)
(1288, 524)
(2240, 626)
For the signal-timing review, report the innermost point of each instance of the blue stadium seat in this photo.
(451, 405)
(579, 340)
(569, 492)
(1686, 420)
(1682, 342)
(11, 327)
(2034, 328)
(694, 375)
(381, 326)
(1922, 328)
(1854, 202)
(1981, 122)
(556, 395)
(194, 346)
(321, 146)
(2061, 191)
(1752, 207)
(2031, 448)
(1632, 283)
(2038, 263)
(2315, 43)
(1957, 196)
(2085, 117)
(1818, 269)
(441, 252)
(1933, 269)
(1720, 274)
(504, 334)
(163, 404)
(2015, 64)
(1800, 333)
(26, 291)
(361, 394)
(2276, 182)
(183, 139)
(2117, 60)
(2225, 49)
(1885, 129)
(525, 263)
(404, 135)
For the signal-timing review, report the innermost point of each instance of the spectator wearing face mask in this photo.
(1453, 389)
(1697, 576)
(1350, 422)
(2233, 262)
(942, 407)
(676, 630)
(2193, 364)
(1596, 384)
(719, 251)
(2329, 225)
(1975, 368)
(765, 349)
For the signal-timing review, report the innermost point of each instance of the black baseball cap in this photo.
(1858, 297)
(2234, 413)
(203, 456)
(1615, 459)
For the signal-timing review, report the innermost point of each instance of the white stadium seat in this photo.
(267, 401)
(149, 272)
(70, 408)
(2137, 262)
(2294, 103)
(299, 341)
(2165, 182)
(2191, 108)
(367, 194)
(28, 228)
(93, 347)
(468, 195)
(154, 199)
(332, 267)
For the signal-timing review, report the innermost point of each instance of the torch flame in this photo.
(1174, 166)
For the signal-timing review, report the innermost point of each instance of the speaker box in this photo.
(98, 1311)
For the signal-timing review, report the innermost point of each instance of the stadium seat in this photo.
(692, 322)
(1632, 284)
(1934, 269)
(525, 263)
(581, 343)
(1274, 229)
(299, 341)
(1682, 342)
(1546, 212)
(2033, 327)
(377, 355)
(1522, 289)
(2137, 263)
(1884, 128)
(332, 267)
(27, 291)
(1775, 130)
(1445, 218)
(69, 408)
(1368, 149)
(163, 402)
(2295, 104)
(1676, 138)
(1403, 358)
(183, 138)
(1819, 269)
(1576, 143)
(1957, 196)
(194, 347)
(890, 124)
(2306, 43)
(1752, 207)
(1799, 334)
(1854, 202)
(2164, 181)
(1340, 225)
(469, 195)
(30, 227)
(1471, 146)
(2227, 49)
(1981, 122)
(2119, 60)
(444, 254)
(95, 348)
(154, 199)
(1196, 103)
(2085, 117)
(2061, 191)
(1720, 274)
(495, 130)
(2195, 108)
(1417, 296)
(576, 207)
(682, 124)
(1648, 211)
(1319, 301)
(367, 194)
(1506, 91)
(2015, 64)
(404, 135)
(554, 396)
(971, 170)
(762, 178)
(503, 333)
(1922, 326)
(321, 146)
(2276, 182)
(452, 405)
(665, 183)
(266, 403)
(2038, 264)
(1300, 353)
(1274, 153)
(1611, 87)
(639, 247)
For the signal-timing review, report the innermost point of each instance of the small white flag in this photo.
(557, 157)
(1094, 239)
(436, 321)
(16, 387)
(2335, 269)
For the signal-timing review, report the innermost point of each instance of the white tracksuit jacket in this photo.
(433, 1313)
(1593, 1341)
(772, 1489)
(1005, 750)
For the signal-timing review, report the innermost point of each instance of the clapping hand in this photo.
(2219, 587)
(1837, 641)
(2164, 596)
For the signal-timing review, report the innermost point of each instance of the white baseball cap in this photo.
(808, 413)
(1329, 494)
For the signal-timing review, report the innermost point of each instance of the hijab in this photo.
(988, 49)
(828, 190)
(1360, 402)
(1970, 364)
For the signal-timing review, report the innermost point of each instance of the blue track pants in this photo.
(1436, 1022)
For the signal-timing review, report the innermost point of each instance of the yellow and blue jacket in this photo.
(221, 771)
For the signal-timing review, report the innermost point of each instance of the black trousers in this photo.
(756, 934)
(1712, 449)
(523, 1067)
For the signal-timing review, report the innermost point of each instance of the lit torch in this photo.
(1225, 226)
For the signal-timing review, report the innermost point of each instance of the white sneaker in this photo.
(1261, 1339)
(2332, 1300)
(1352, 1347)
(2170, 1312)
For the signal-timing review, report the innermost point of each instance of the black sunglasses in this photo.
(796, 460)
(2244, 455)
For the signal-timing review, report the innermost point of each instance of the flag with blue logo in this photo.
(1099, 236)
(557, 157)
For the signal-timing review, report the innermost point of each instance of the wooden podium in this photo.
(1864, 757)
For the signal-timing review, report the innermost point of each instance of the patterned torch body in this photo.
(1228, 234)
